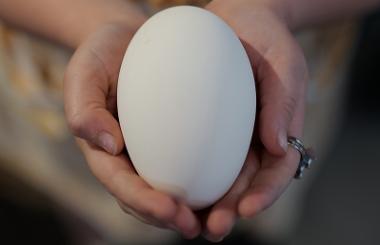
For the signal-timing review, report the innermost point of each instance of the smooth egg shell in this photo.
(186, 104)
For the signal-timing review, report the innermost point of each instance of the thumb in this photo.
(282, 88)
(98, 126)
(88, 94)
(274, 120)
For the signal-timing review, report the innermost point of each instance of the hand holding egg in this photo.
(281, 75)
(90, 104)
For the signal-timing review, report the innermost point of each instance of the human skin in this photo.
(99, 32)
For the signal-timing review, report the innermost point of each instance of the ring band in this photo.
(307, 155)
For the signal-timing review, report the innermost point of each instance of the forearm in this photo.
(68, 21)
(300, 14)
(305, 13)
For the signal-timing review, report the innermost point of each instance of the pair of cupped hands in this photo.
(281, 75)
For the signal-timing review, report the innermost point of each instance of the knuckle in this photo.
(143, 212)
(138, 215)
(76, 124)
(134, 208)
(288, 107)
(125, 208)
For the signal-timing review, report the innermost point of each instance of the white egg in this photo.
(186, 104)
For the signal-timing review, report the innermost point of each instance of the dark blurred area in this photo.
(26, 217)
(341, 208)
(343, 204)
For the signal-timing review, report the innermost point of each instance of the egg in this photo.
(186, 104)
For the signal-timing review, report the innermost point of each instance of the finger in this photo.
(88, 99)
(281, 86)
(135, 196)
(274, 121)
(223, 214)
(143, 218)
(119, 177)
(186, 222)
(274, 175)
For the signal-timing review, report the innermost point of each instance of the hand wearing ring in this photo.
(281, 77)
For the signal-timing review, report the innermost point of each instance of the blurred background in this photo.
(48, 196)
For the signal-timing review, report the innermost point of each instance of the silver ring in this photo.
(307, 155)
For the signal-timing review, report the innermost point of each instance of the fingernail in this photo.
(282, 139)
(212, 238)
(107, 142)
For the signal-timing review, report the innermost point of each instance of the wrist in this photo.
(116, 25)
(282, 9)
(279, 10)
(119, 15)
